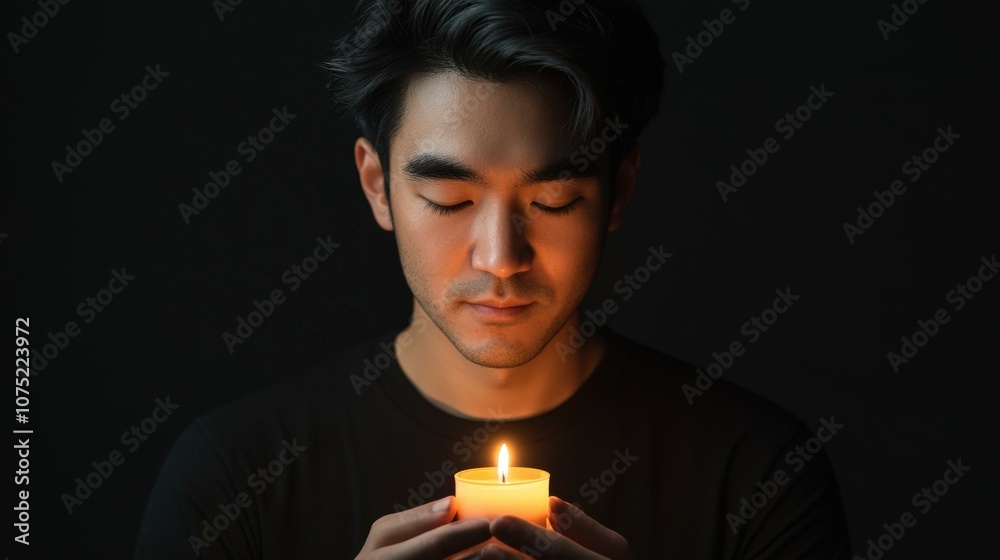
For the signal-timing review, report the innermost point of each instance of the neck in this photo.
(465, 389)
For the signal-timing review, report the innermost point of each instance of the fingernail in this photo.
(442, 505)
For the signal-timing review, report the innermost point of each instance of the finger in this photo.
(494, 552)
(579, 527)
(440, 542)
(535, 541)
(492, 544)
(398, 527)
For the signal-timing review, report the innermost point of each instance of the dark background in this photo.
(827, 356)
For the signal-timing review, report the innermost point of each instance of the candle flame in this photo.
(503, 463)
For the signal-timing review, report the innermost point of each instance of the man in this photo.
(499, 146)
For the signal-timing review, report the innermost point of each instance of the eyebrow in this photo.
(433, 166)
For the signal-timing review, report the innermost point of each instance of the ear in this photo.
(625, 180)
(373, 181)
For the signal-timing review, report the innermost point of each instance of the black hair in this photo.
(604, 50)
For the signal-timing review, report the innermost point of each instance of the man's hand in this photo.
(575, 535)
(423, 533)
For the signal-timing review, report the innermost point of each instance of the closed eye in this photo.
(558, 210)
(446, 210)
(552, 210)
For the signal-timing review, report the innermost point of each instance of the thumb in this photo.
(398, 527)
(570, 521)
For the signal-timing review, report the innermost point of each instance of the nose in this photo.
(499, 245)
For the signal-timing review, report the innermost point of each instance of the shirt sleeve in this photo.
(801, 516)
(195, 509)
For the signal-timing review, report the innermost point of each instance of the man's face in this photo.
(507, 262)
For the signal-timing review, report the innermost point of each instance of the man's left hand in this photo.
(575, 535)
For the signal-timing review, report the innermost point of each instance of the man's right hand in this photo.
(423, 533)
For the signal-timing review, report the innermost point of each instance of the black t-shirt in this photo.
(304, 469)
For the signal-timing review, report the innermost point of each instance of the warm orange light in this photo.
(494, 491)
(503, 464)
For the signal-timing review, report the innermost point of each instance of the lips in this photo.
(501, 304)
(493, 310)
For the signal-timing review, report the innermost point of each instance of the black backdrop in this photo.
(64, 234)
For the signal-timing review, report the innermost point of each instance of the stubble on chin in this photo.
(492, 351)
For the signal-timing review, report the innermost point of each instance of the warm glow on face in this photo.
(496, 244)
(503, 463)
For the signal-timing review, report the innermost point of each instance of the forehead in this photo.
(515, 123)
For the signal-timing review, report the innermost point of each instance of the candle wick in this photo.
(503, 477)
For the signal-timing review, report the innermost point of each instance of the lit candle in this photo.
(505, 490)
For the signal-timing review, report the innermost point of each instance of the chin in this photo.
(499, 347)
(497, 354)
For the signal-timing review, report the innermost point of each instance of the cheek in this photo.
(569, 250)
(429, 246)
